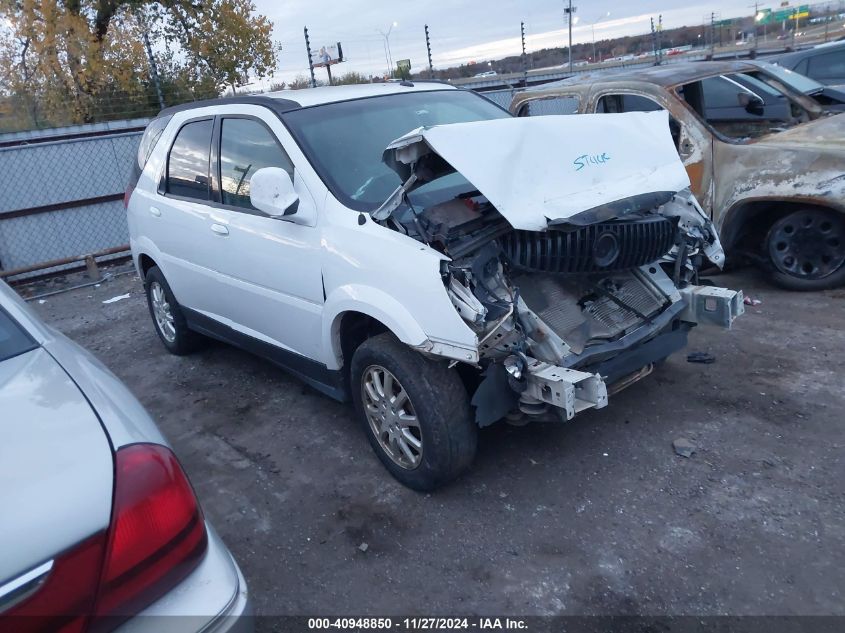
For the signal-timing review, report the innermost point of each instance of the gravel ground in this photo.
(598, 515)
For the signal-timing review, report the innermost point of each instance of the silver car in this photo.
(99, 525)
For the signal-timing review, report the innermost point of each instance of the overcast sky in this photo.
(461, 30)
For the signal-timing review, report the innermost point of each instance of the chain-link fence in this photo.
(62, 196)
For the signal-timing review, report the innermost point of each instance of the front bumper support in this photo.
(569, 390)
(708, 305)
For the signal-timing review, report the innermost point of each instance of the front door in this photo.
(694, 143)
(269, 269)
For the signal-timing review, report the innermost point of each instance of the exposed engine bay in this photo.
(565, 314)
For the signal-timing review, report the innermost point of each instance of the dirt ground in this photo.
(598, 515)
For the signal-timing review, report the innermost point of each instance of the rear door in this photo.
(176, 216)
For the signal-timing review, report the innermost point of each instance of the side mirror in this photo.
(752, 103)
(271, 191)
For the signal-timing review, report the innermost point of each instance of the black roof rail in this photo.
(275, 104)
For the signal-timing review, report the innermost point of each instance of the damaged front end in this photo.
(569, 300)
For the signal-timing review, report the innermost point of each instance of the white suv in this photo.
(414, 248)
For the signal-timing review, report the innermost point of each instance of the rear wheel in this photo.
(415, 412)
(168, 319)
(807, 249)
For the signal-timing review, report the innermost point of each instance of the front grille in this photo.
(587, 249)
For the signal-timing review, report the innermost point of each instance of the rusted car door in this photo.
(693, 140)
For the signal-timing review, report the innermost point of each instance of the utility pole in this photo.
(568, 11)
(310, 61)
(428, 48)
(524, 64)
(653, 41)
(756, 13)
(712, 34)
(659, 39)
(151, 60)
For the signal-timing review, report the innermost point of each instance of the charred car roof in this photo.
(666, 76)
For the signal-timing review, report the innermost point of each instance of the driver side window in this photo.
(624, 102)
(245, 147)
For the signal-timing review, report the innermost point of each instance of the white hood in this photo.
(537, 170)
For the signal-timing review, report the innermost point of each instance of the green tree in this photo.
(351, 77)
(71, 61)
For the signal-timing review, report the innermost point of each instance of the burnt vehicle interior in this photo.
(743, 107)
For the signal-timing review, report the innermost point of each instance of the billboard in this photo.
(328, 55)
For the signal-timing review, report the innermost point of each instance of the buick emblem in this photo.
(605, 249)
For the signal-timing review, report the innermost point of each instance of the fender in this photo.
(744, 210)
(143, 245)
(382, 307)
(372, 302)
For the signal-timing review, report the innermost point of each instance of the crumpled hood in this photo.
(550, 168)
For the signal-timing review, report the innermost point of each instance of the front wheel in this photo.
(807, 249)
(415, 412)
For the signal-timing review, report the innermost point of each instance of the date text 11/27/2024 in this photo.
(418, 624)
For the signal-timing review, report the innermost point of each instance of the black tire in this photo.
(806, 250)
(182, 340)
(446, 428)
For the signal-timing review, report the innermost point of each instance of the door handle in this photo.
(219, 229)
(155, 211)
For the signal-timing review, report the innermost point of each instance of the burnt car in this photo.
(771, 177)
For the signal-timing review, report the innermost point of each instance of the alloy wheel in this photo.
(391, 416)
(162, 313)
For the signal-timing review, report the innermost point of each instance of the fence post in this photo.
(91, 269)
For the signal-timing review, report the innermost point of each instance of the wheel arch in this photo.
(352, 314)
(740, 225)
(144, 263)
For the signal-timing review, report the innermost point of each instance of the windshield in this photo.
(13, 339)
(792, 79)
(345, 141)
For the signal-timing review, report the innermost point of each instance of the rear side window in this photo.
(626, 103)
(830, 66)
(187, 163)
(245, 147)
(150, 138)
(555, 105)
(13, 339)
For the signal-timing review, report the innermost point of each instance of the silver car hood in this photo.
(55, 460)
(549, 168)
